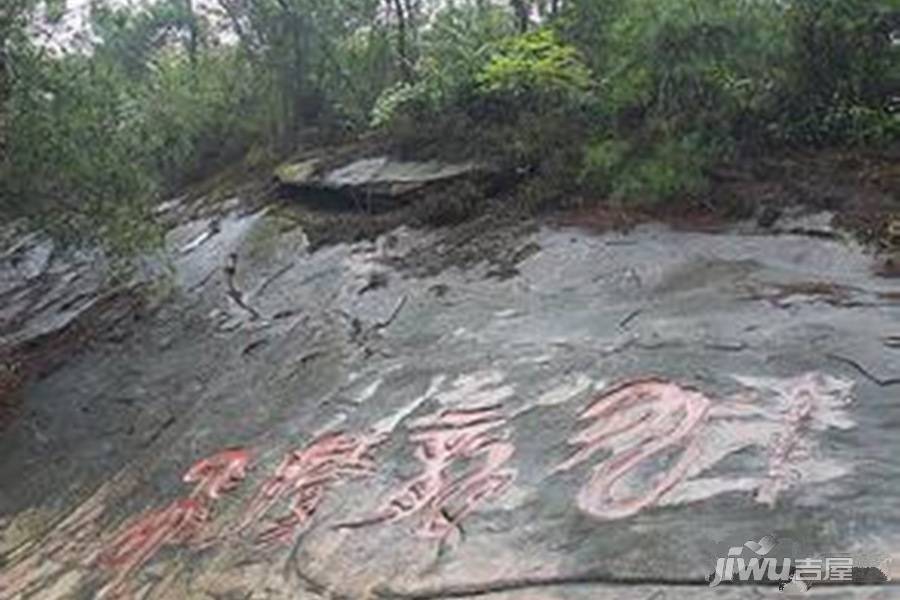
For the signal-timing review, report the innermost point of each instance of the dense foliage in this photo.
(630, 100)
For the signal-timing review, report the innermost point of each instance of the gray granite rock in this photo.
(605, 424)
(378, 176)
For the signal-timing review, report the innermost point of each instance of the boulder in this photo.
(379, 176)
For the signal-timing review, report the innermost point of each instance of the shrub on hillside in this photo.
(841, 70)
(535, 65)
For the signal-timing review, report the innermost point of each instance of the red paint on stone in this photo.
(181, 522)
(442, 500)
(141, 538)
(305, 476)
(789, 445)
(637, 421)
(219, 473)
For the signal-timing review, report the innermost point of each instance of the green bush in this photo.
(75, 154)
(700, 65)
(453, 51)
(839, 50)
(840, 72)
(842, 123)
(535, 64)
(680, 83)
(359, 67)
(633, 100)
(394, 99)
(626, 172)
(91, 141)
(200, 115)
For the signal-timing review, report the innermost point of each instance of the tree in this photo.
(400, 9)
(644, 90)
(521, 10)
(13, 19)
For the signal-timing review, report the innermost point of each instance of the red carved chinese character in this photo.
(181, 522)
(219, 473)
(789, 446)
(442, 499)
(305, 475)
(638, 421)
(141, 538)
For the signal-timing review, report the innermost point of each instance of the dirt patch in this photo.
(605, 217)
(449, 204)
(863, 190)
(888, 267)
(494, 238)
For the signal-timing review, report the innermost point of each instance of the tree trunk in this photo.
(520, 9)
(193, 41)
(402, 42)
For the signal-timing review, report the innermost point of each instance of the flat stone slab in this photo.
(377, 176)
(608, 423)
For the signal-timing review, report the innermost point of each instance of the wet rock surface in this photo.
(371, 421)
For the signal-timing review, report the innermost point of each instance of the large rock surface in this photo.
(603, 424)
